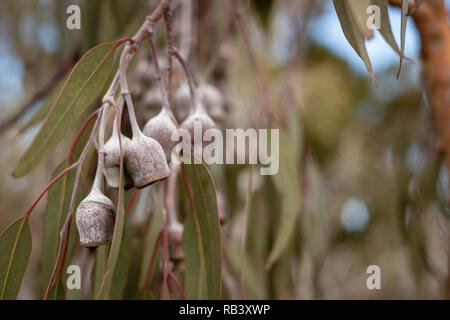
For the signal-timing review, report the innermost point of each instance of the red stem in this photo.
(30, 209)
(130, 203)
(77, 138)
(177, 284)
(152, 260)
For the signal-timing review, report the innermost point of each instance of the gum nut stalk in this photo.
(95, 219)
(111, 167)
(161, 128)
(146, 161)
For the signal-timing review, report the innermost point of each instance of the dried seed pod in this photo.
(198, 119)
(95, 219)
(146, 161)
(111, 163)
(182, 101)
(210, 96)
(213, 100)
(161, 128)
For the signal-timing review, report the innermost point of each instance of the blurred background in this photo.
(374, 191)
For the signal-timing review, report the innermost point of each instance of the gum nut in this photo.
(161, 128)
(182, 102)
(95, 218)
(152, 99)
(197, 119)
(213, 100)
(111, 167)
(146, 161)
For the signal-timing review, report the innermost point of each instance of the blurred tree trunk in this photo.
(432, 22)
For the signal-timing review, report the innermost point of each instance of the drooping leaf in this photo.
(385, 27)
(121, 269)
(101, 260)
(287, 183)
(85, 81)
(57, 291)
(358, 9)
(404, 20)
(155, 227)
(58, 202)
(354, 35)
(15, 250)
(194, 279)
(40, 114)
(105, 288)
(201, 237)
(242, 264)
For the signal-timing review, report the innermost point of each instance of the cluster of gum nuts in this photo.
(146, 156)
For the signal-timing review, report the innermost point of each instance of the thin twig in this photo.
(168, 18)
(162, 87)
(192, 87)
(177, 284)
(152, 261)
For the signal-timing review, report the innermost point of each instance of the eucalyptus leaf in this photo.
(15, 250)
(287, 183)
(201, 237)
(58, 202)
(105, 288)
(354, 35)
(385, 27)
(85, 81)
(404, 20)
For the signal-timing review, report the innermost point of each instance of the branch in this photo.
(431, 21)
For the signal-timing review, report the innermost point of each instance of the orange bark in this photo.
(431, 21)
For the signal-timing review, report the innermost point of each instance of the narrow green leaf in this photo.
(85, 81)
(242, 264)
(121, 269)
(385, 27)
(101, 260)
(358, 9)
(287, 183)
(155, 227)
(195, 275)
(404, 20)
(15, 250)
(57, 291)
(40, 114)
(354, 35)
(201, 237)
(58, 202)
(105, 288)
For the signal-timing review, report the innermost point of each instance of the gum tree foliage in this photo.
(193, 235)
